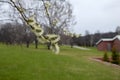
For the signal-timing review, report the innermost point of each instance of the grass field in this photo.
(21, 63)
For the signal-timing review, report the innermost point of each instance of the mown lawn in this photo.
(21, 63)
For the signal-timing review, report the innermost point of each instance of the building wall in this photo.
(104, 46)
(116, 44)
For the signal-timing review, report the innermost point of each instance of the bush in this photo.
(115, 56)
(105, 57)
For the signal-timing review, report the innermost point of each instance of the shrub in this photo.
(105, 57)
(115, 56)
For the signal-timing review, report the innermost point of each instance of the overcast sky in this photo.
(93, 15)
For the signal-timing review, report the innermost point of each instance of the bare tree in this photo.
(56, 23)
(118, 30)
(59, 16)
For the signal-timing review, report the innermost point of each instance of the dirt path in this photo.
(82, 48)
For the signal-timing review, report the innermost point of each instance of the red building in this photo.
(108, 44)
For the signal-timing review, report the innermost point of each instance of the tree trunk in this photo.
(27, 44)
(36, 43)
(49, 45)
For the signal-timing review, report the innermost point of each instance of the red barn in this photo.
(107, 44)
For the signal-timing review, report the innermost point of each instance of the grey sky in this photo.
(93, 15)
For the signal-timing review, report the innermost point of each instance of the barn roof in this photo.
(109, 39)
(117, 37)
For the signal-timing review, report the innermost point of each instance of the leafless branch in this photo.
(7, 2)
(18, 9)
(47, 13)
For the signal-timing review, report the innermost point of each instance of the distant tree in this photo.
(91, 40)
(14, 34)
(97, 37)
(87, 33)
(81, 41)
(87, 38)
(36, 42)
(118, 30)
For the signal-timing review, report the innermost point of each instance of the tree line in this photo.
(16, 33)
(90, 40)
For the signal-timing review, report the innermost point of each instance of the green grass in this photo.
(21, 63)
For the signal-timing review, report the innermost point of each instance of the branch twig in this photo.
(23, 16)
(7, 2)
(47, 13)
